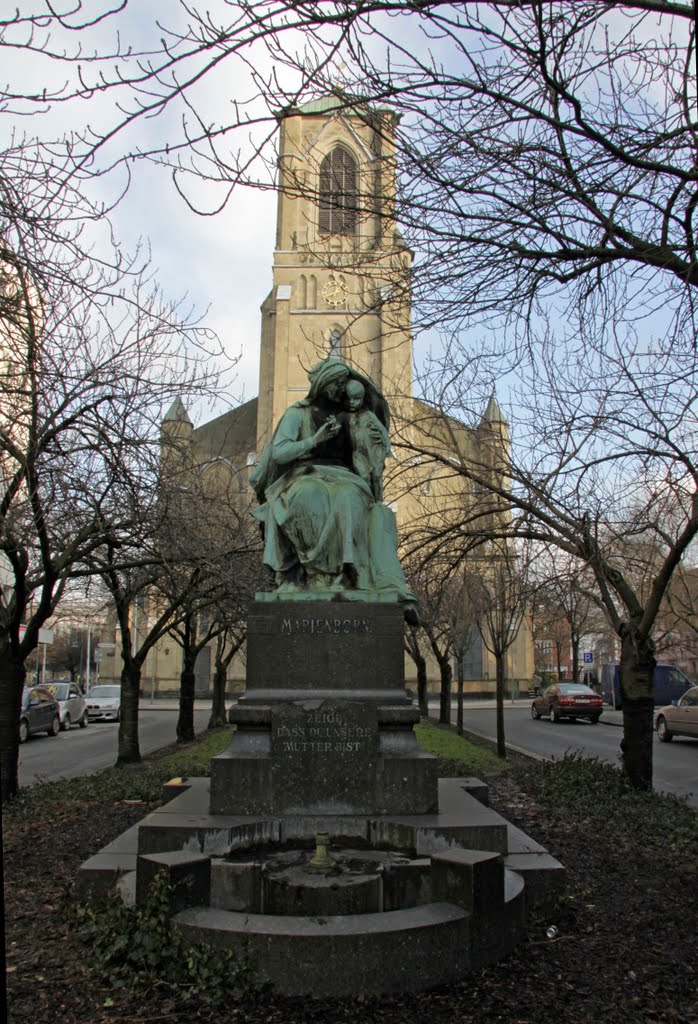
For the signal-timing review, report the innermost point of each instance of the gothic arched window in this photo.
(338, 193)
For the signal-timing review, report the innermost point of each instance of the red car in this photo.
(568, 700)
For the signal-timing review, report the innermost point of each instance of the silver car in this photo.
(679, 718)
(104, 702)
(71, 703)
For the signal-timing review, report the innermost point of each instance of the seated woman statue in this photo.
(324, 530)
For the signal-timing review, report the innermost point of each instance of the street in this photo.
(675, 764)
(82, 751)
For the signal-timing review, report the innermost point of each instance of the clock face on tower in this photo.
(334, 291)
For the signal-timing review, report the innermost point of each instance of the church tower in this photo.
(340, 270)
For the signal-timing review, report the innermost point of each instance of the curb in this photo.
(509, 746)
(489, 740)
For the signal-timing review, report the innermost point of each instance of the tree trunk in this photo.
(422, 685)
(575, 659)
(129, 751)
(460, 681)
(412, 648)
(445, 695)
(501, 743)
(12, 675)
(637, 664)
(187, 686)
(218, 715)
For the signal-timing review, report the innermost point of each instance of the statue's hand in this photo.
(330, 428)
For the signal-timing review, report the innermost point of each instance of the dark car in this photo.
(568, 700)
(679, 718)
(39, 713)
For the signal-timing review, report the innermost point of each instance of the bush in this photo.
(594, 794)
(130, 947)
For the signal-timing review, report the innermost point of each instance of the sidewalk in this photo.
(172, 704)
(609, 716)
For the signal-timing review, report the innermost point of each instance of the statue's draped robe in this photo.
(318, 513)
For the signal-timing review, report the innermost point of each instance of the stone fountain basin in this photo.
(464, 909)
(281, 881)
(452, 883)
(341, 956)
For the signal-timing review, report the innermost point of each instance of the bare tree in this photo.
(600, 452)
(90, 355)
(500, 596)
(428, 585)
(193, 632)
(143, 618)
(228, 643)
(246, 577)
(565, 606)
(414, 642)
(459, 614)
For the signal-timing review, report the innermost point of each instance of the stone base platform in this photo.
(420, 870)
(362, 954)
(468, 878)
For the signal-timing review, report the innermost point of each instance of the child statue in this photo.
(370, 441)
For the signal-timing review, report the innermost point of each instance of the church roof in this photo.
(337, 100)
(230, 436)
(177, 413)
(493, 412)
(322, 105)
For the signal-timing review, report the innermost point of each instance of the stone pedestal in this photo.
(325, 723)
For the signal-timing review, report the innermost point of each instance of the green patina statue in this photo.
(319, 481)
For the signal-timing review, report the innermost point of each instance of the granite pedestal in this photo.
(325, 724)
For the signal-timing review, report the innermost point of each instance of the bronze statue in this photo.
(320, 486)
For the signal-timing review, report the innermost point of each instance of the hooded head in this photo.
(334, 371)
(329, 371)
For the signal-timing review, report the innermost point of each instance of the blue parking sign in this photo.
(588, 657)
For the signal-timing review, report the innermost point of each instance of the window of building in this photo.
(338, 193)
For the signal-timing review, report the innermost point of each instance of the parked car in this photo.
(71, 703)
(669, 684)
(568, 700)
(38, 713)
(680, 718)
(104, 702)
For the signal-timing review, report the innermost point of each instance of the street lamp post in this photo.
(87, 666)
